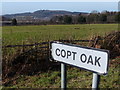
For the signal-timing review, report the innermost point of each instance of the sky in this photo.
(60, 0)
(21, 7)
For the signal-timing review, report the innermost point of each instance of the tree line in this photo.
(83, 18)
(93, 17)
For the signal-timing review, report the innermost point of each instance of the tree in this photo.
(81, 19)
(67, 19)
(117, 17)
(90, 18)
(14, 21)
(94, 15)
(60, 19)
(103, 18)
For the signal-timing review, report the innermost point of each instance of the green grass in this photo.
(76, 78)
(31, 34)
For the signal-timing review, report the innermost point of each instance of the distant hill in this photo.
(41, 14)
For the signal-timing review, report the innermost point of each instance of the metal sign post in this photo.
(91, 59)
(95, 82)
(63, 76)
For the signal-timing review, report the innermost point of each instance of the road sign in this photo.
(92, 59)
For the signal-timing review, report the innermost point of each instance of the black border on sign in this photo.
(102, 50)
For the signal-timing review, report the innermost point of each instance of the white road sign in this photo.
(95, 60)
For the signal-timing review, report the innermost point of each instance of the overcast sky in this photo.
(21, 7)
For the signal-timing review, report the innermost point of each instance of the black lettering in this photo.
(63, 53)
(97, 61)
(83, 56)
(68, 53)
(74, 55)
(57, 52)
(90, 60)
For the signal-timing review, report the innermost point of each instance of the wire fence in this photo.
(33, 58)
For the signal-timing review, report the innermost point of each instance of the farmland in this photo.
(76, 78)
(30, 34)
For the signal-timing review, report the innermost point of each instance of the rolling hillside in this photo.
(41, 14)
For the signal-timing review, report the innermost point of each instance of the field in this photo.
(30, 34)
(76, 78)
